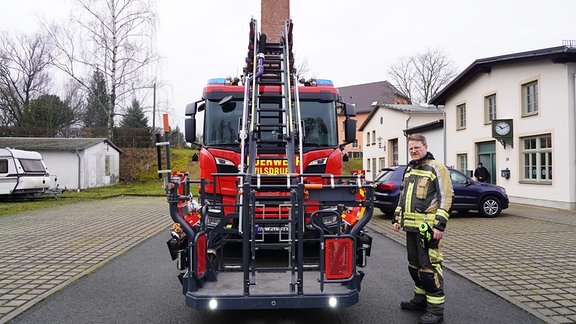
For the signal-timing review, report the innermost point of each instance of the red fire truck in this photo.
(275, 223)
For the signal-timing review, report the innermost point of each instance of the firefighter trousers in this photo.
(424, 265)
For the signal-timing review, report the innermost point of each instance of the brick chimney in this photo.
(273, 15)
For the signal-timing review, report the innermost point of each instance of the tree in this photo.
(421, 76)
(135, 117)
(176, 137)
(96, 112)
(47, 115)
(24, 75)
(118, 38)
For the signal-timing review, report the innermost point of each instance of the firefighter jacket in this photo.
(426, 195)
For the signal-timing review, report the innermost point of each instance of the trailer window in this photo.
(3, 166)
(32, 165)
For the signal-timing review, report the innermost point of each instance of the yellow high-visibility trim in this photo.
(435, 300)
(423, 173)
(419, 291)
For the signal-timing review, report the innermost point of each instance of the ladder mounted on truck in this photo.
(322, 213)
(277, 126)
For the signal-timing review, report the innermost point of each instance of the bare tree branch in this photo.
(116, 38)
(421, 76)
(24, 73)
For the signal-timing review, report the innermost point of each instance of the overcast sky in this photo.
(350, 42)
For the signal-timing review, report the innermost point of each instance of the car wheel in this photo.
(387, 212)
(490, 207)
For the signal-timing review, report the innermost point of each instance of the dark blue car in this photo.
(488, 199)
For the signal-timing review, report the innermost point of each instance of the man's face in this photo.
(417, 149)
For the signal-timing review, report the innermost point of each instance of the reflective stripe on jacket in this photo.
(426, 196)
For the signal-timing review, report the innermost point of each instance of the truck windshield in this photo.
(320, 123)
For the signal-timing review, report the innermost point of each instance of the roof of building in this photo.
(53, 144)
(406, 109)
(426, 127)
(366, 96)
(559, 54)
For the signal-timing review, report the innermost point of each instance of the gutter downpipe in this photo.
(574, 128)
(406, 135)
(444, 131)
(79, 165)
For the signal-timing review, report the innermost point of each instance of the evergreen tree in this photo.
(96, 113)
(47, 115)
(176, 137)
(135, 117)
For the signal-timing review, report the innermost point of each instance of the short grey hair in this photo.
(418, 138)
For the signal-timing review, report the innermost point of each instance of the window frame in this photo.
(461, 116)
(490, 112)
(462, 159)
(530, 99)
(537, 158)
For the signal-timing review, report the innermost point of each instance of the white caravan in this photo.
(22, 172)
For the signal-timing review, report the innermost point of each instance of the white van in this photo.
(22, 172)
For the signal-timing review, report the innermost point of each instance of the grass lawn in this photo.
(147, 183)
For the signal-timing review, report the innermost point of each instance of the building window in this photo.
(462, 163)
(489, 109)
(382, 162)
(107, 165)
(461, 116)
(537, 159)
(367, 138)
(374, 170)
(394, 146)
(373, 137)
(368, 165)
(530, 98)
(355, 143)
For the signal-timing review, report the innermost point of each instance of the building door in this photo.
(487, 155)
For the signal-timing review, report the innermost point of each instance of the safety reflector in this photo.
(201, 255)
(339, 258)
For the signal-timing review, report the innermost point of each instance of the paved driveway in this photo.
(43, 251)
(526, 255)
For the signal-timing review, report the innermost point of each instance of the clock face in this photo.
(502, 128)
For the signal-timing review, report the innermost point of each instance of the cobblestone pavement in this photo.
(42, 252)
(526, 255)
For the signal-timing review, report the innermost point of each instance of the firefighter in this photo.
(422, 212)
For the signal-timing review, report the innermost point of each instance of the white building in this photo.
(384, 134)
(78, 163)
(534, 94)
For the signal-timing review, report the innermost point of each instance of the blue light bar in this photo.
(217, 81)
(324, 82)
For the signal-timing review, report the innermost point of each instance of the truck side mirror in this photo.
(350, 130)
(190, 129)
(348, 109)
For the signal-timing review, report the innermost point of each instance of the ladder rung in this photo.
(269, 269)
(270, 125)
(272, 109)
(280, 221)
(272, 246)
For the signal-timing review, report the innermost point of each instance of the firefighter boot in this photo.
(431, 318)
(418, 303)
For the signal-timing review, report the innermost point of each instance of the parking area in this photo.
(42, 252)
(526, 255)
